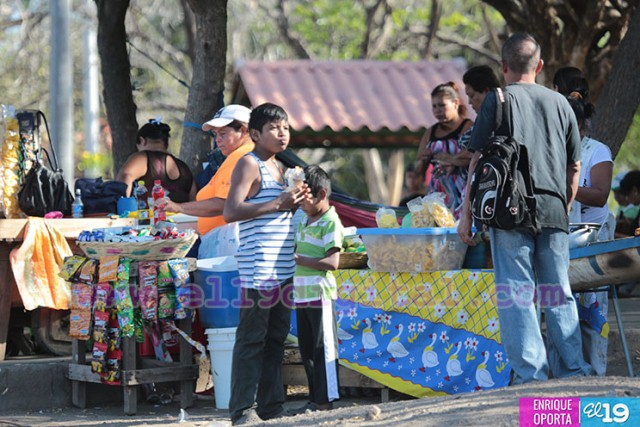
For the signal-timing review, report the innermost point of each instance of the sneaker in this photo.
(311, 407)
(248, 416)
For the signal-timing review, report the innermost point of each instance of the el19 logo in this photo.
(609, 411)
(604, 411)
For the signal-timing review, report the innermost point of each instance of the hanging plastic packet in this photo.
(122, 297)
(71, 267)
(180, 272)
(148, 289)
(108, 271)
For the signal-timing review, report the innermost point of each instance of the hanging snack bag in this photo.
(88, 271)
(71, 267)
(122, 298)
(165, 279)
(148, 289)
(180, 271)
(108, 270)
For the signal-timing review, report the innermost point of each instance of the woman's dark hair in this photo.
(155, 129)
(582, 108)
(481, 78)
(317, 179)
(451, 91)
(566, 80)
(630, 181)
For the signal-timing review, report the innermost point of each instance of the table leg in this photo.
(129, 364)
(186, 358)
(5, 296)
(78, 388)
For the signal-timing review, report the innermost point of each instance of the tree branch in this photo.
(434, 21)
(284, 28)
(477, 48)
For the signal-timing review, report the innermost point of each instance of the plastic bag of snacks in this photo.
(10, 160)
(420, 215)
(295, 178)
(441, 214)
(386, 218)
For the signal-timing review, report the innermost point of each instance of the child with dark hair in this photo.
(153, 162)
(266, 264)
(318, 242)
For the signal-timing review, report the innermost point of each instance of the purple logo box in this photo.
(549, 411)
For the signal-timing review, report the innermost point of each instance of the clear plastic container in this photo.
(408, 250)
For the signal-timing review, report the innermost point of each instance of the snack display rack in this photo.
(133, 370)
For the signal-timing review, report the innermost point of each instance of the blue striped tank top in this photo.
(265, 256)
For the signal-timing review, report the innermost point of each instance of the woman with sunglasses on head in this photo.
(153, 162)
(440, 144)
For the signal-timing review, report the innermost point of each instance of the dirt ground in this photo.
(484, 408)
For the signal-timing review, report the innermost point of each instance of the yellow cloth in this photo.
(219, 186)
(36, 264)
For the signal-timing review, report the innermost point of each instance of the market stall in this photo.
(12, 236)
(127, 285)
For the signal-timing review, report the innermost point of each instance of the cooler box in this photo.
(221, 292)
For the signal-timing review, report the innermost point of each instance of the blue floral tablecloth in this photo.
(423, 334)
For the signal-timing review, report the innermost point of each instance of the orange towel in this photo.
(36, 265)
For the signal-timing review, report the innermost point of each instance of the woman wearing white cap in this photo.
(230, 127)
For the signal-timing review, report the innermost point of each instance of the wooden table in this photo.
(12, 235)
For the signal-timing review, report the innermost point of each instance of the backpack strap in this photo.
(503, 124)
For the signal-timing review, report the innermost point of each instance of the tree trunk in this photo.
(207, 82)
(115, 70)
(621, 95)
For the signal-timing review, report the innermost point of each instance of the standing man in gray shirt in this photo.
(532, 266)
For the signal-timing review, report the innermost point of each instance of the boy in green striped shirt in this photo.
(318, 241)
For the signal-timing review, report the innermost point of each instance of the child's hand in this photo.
(291, 199)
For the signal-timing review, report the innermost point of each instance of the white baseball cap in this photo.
(226, 115)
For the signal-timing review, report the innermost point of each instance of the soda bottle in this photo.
(77, 207)
(143, 205)
(158, 193)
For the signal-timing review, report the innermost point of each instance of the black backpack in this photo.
(501, 186)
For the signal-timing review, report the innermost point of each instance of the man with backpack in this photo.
(531, 259)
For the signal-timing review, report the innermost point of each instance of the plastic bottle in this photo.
(158, 193)
(143, 204)
(77, 207)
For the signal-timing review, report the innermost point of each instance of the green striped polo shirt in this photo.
(314, 240)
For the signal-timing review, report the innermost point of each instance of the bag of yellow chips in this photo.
(386, 218)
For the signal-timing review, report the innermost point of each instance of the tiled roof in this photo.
(349, 103)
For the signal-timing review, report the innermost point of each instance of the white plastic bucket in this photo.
(221, 341)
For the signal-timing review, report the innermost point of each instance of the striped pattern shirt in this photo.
(314, 240)
(265, 256)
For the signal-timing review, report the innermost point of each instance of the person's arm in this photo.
(245, 181)
(460, 159)
(201, 208)
(598, 194)
(193, 191)
(329, 262)
(134, 168)
(466, 220)
(573, 176)
(424, 156)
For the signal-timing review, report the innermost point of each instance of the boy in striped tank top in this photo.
(318, 242)
(266, 264)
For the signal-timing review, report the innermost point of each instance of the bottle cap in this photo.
(157, 182)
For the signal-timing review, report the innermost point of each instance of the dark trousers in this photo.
(256, 373)
(318, 344)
